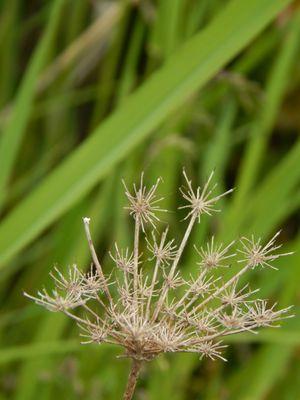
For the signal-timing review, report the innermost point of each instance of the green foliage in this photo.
(167, 83)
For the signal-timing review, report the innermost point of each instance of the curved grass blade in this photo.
(11, 138)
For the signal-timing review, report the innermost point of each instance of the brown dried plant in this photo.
(159, 312)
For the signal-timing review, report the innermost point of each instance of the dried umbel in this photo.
(157, 311)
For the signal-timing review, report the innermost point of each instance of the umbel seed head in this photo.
(149, 313)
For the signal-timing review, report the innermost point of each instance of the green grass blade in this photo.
(12, 136)
(267, 364)
(276, 189)
(9, 41)
(37, 350)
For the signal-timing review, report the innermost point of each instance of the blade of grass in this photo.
(276, 189)
(108, 71)
(284, 337)
(129, 78)
(9, 37)
(11, 138)
(267, 365)
(37, 350)
(166, 32)
(196, 16)
(93, 34)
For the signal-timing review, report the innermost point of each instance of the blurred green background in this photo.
(93, 91)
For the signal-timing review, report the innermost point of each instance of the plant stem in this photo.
(165, 288)
(86, 222)
(136, 257)
(132, 379)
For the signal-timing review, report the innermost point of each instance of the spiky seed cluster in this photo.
(143, 204)
(200, 201)
(212, 256)
(149, 313)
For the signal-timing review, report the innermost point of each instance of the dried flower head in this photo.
(256, 254)
(235, 319)
(212, 256)
(210, 349)
(200, 201)
(70, 283)
(56, 301)
(233, 296)
(143, 204)
(261, 315)
(163, 252)
(93, 332)
(152, 313)
(123, 259)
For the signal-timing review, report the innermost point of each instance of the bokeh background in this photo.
(95, 91)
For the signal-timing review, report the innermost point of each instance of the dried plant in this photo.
(158, 312)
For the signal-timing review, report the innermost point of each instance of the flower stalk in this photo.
(132, 379)
(149, 316)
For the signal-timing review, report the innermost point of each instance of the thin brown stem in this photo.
(136, 256)
(86, 222)
(164, 290)
(157, 265)
(132, 379)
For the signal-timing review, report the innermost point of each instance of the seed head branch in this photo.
(86, 222)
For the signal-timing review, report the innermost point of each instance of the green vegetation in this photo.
(91, 92)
